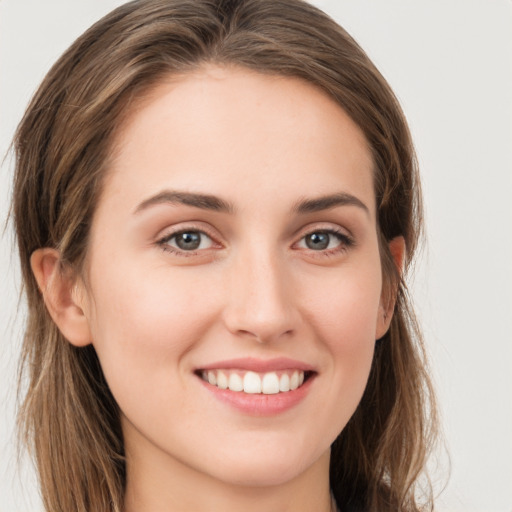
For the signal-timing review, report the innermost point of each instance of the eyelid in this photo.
(344, 235)
(167, 234)
(167, 240)
(326, 227)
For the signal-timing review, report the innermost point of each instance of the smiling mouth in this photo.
(268, 383)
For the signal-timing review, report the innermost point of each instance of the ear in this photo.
(62, 295)
(387, 301)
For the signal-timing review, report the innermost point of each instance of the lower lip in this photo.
(259, 404)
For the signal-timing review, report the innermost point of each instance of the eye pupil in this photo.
(317, 241)
(188, 241)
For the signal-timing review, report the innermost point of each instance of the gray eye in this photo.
(190, 241)
(318, 241)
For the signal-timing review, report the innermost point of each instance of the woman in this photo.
(215, 205)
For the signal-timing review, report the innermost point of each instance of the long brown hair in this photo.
(69, 417)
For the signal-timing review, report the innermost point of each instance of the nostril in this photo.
(260, 307)
(265, 333)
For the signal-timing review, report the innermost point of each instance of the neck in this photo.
(156, 482)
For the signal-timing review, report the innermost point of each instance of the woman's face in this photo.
(235, 241)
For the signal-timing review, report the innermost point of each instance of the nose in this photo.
(260, 298)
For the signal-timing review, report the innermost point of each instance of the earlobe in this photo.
(60, 295)
(388, 300)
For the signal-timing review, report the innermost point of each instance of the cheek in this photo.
(344, 320)
(144, 325)
(344, 306)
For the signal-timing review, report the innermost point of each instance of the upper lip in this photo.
(259, 365)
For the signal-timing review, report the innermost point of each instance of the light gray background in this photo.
(450, 63)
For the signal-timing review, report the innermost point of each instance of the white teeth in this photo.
(284, 382)
(252, 383)
(222, 380)
(235, 382)
(294, 381)
(270, 384)
(212, 378)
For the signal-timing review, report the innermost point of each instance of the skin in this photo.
(254, 288)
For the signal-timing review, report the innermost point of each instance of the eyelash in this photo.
(346, 242)
(164, 242)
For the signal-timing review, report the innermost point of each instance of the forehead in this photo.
(232, 130)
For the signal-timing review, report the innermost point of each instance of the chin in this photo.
(267, 476)
(266, 468)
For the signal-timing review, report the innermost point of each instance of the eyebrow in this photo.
(327, 202)
(202, 201)
(214, 203)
